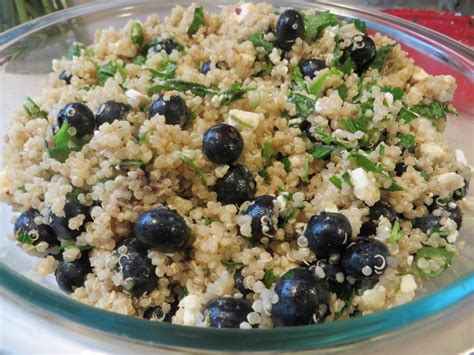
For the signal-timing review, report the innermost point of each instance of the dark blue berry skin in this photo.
(174, 110)
(222, 144)
(227, 312)
(79, 116)
(427, 223)
(362, 53)
(25, 224)
(309, 67)
(236, 186)
(70, 275)
(239, 283)
(64, 76)
(289, 27)
(162, 229)
(261, 211)
(137, 270)
(400, 169)
(333, 274)
(379, 209)
(72, 208)
(454, 212)
(154, 313)
(302, 299)
(206, 67)
(363, 254)
(110, 111)
(168, 46)
(328, 233)
(305, 128)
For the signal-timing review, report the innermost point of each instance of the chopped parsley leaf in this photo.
(342, 90)
(32, 109)
(360, 25)
(430, 253)
(317, 86)
(396, 233)
(137, 35)
(270, 278)
(198, 21)
(397, 93)
(197, 169)
(359, 124)
(266, 157)
(336, 181)
(381, 56)
(406, 140)
(64, 143)
(257, 40)
(315, 24)
(75, 50)
(320, 152)
(232, 265)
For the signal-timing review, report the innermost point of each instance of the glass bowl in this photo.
(25, 58)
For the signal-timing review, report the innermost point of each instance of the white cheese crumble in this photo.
(445, 184)
(408, 283)
(365, 187)
(136, 98)
(248, 120)
(460, 157)
(432, 151)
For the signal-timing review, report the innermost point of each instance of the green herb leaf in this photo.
(317, 86)
(360, 25)
(206, 271)
(234, 93)
(406, 114)
(108, 70)
(286, 163)
(22, 189)
(359, 124)
(198, 20)
(285, 193)
(266, 157)
(182, 86)
(434, 110)
(328, 139)
(337, 53)
(348, 66)
(70, 244)
(381, 149)
(307, 159)
(440, 232)
(241, 122)
(342, 90)
(75, 50)
(231, 265)
(336, 181)
(191, 117)
(167, 67)
(320, 152)
(131, 164)
(197, 169)
(298, 78)
(430, 253)
(32, 109)
(425, 176)
(396, 233)
(23, 237)
(64, 143)
(143, 138)
(366, 164)
(139, 60)
(290, 213)
(394, 187)
(75, 193)
(397, 93)
(406, 140)
(303, 103)
(347, 179)
(270, 278)
(105, 179)
(207, 222)
(315, 24)
(381, 56)
(183, 293)
(257, 40)
(137, 34)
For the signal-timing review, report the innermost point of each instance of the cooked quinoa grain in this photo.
(192, 169)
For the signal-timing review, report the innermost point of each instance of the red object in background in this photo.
(460, 28)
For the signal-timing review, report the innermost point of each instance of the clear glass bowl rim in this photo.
(381, 324)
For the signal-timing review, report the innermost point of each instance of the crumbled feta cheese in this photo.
(445, 184)
(249, 120)
(373, 299)
(365, 187)
(136, 98)
(410, 259)
(245, 9)
(388, 99)
(408, 283)
(460, 157)
(432, 151)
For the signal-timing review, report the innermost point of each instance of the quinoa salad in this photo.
(254, 168)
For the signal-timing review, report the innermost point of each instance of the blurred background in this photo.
(15, 12)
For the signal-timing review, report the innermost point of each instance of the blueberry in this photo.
(222, 144)
(306, 129)
(60, 225)
(433, 220)
(227, 312)
(168, 46)
(154, 313)
(163, 229)
(309, 67)
(302, 299)
(110, 111)
(137, 270)
(236, 186)
(328, 233)
(65, 77)
(206, 67)
(362, 52)
(427, 223)
(261, 210)
(379, 209)
(334, 274)
(70, 275)
(174, 110)
(400, 169)
(26, 229)
(289, 27)
(365, 258)
(78, 116)
(174, 308)
(239, 283)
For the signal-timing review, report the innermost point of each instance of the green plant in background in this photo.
(16, 12)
